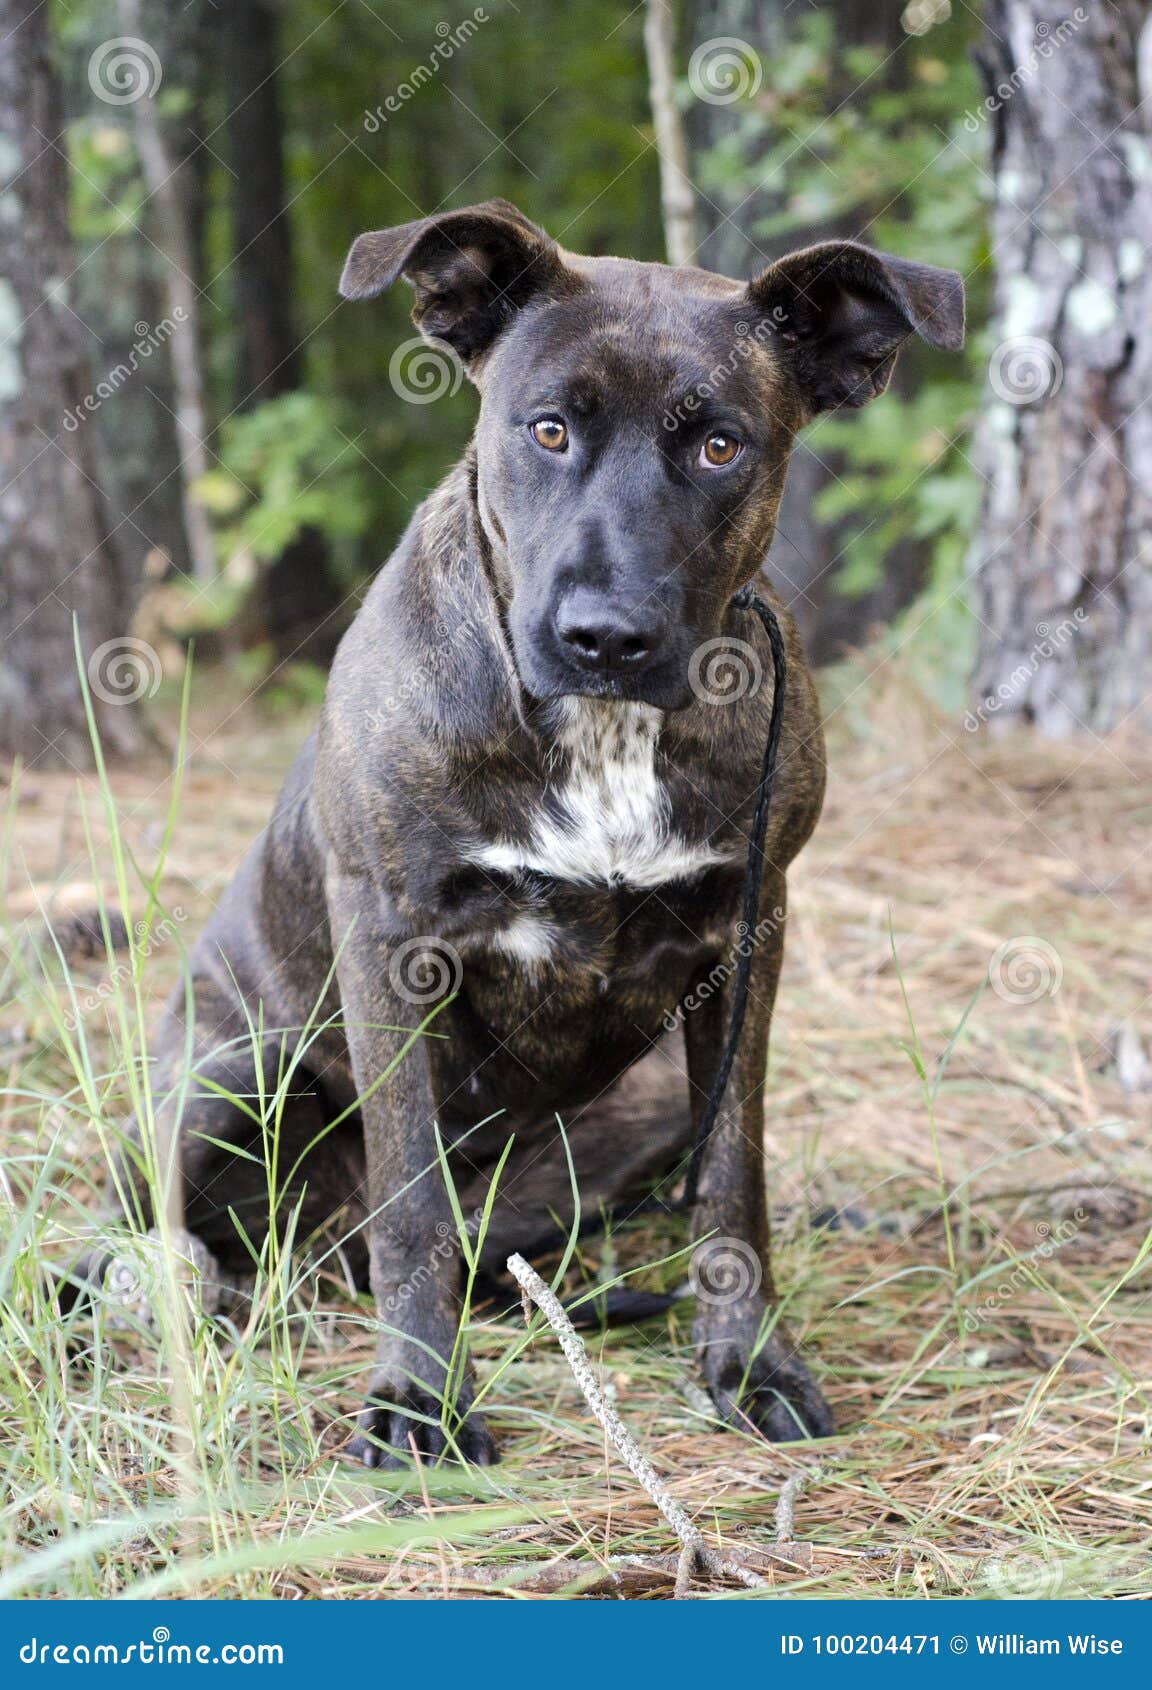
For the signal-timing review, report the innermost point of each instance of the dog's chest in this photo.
(604, 815)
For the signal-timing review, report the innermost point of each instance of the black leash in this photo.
(746, 599)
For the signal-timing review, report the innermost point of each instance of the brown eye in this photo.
(550, 433)
(720, 449)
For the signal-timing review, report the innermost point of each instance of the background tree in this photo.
(297, 598)
(1065, 444)
(820, 131)
(56, 548)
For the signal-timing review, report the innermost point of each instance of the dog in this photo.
(526, 812)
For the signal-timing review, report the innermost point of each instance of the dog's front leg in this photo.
(416, 1399)
(751, 1366)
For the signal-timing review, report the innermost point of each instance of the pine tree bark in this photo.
(1062, 564)
(57, 559)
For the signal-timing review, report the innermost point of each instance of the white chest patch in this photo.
(608, 817)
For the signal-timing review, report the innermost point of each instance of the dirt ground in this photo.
(963, 1248)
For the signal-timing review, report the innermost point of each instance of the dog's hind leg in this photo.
(239, 1146)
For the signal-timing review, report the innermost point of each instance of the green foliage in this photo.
(288, 464)
(903, 474)
(848, 142)
(836, 139)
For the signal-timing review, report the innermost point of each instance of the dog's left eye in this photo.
(550, 433)
(720, 449)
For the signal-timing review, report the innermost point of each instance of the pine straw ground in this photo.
(977, 1307)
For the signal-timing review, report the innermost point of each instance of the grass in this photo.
(961, 1176)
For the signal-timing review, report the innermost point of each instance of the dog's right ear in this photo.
(472, 270)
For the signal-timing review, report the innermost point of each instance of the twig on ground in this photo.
(786, 1506)
(696, 1551)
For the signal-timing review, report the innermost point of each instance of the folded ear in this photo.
(841, 312)
(471, 269)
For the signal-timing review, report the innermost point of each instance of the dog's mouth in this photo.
(664, 689)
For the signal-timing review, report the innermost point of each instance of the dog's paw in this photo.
(402, 1422)
(768, 1390)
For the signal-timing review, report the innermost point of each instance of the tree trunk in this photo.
(295, 601)
(121, 289)
(1062, 563)
(174, 241)
(57, 560)
(676, 197)
(806, 552)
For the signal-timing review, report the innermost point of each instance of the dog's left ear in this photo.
(472, 270)
(841, 312)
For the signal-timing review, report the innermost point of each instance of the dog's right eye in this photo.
(550, 433)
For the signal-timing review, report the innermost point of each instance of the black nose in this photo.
(597, 634)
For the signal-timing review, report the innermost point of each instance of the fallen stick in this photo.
(786, 1506)
(696, 1552)
(621, 1575)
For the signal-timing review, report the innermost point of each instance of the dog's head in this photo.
(636, 421)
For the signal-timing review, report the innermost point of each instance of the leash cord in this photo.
(746, 599)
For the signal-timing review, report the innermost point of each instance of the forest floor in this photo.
(964, 1248)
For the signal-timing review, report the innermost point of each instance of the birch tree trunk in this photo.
(1062, 565)
(56, 555)
(677, 200)
(175, 244)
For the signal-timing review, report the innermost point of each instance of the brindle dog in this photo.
(523, 790)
